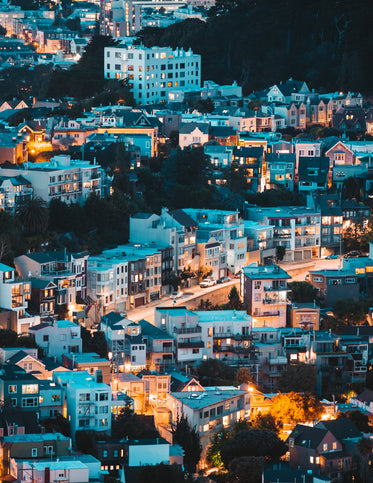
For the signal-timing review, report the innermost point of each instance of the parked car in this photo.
(353, 254)
(207, 282)
(176, 295)
(223, 280)
(332, 257)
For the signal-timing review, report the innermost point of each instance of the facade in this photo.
(18, 388)
(250, 160)
(62, 178)
(264, 289)
(152, 72)
(280, 170)
(58, 338)
(13, 192)
(91, 362)
(297, 229)
(88, 401)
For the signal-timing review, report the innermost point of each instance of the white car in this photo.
(176, 295)
(208, 282)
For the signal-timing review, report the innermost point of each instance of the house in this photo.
(18, 388)
(124, 341)
(334, 284)
(364, 401)
(67, 271)
(290, 90)
(89, 361)
(296, 228)
(259, 242)
(57, 338)
(250, 160)
(175, 229)
(307, 148)
(13, 147)
(227, 229)
(313, 174)
(280, 170)
(159, 347)
(88, 401)
(32, 446)
(14, 296)
(13, 192)
(211, 254)
(350, 118)
(264, 289)
(43, 299)
(193, 134)
(340, 155)
(319, 111)
(305, 315)
(50, 400)
(317, 448)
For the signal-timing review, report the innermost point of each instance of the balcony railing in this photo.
(274, 301)
(188, 330)
(267, 314)
(191, 345)
(229, 335)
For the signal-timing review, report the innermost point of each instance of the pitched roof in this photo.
(320, 164)
(181, 217)
(340, 428)
(112, 318)
(189, 127)
(366, 396)
(222, 131)
(151, 331)
(307, 436)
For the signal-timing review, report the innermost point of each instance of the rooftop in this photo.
(33, 438)
(255, 271)
(201, 399)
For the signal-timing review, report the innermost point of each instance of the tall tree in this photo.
(33, 214)
(295, 407)
(299, 377)
(188, 439)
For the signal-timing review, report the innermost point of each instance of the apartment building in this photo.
(259, 242)
(183, 325)
(175, 229)
(18, 388)
(57, 338)
(13, 147)
(89, 361)
(333, 285)
(87, 401)
(126, 18)
(225, 227)
(264, 289)
(280, 170)
(250, 161)
(61, 178)
(211, 254)
(153, 72)
(296, 228)
(14, 191)
(160, 347)
(67, 271)
(14, 296)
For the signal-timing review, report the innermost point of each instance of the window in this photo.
(14, 402)
(12, 389)
(30, 389)
(311, 460)
(29, 402)
(325, 447)
(34, 452)
(104, 453)
(334, 446)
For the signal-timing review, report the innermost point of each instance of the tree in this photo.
(255, 442)
(234, 300)
(280, 252)
(298, 377)
(360, 420)
(33, 214)
(215, 372)
(266, 421)
(188, 439)
(127, 424)
(244, 376)
(204, 271)
(213, 451)
(94, 342)
(350, 311)
(247, 469)
(295, 407)
(2, 31)
(85, 440)
(302, 292)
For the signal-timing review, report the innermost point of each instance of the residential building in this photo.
(91, 362)
(57, 338)
(313, 174)
(50, 399)
(264, 290)
(306, 148)
(259, 242)
(193, 134)
(333, 284)
(88, 401)
(18, 388)
(208, 411)
(160, 347)
(13, 148)
(296, 228)
(126, 18)
(225, 227)
(305, 315)
(280, 170)
(124, 341)
(250, 160)
(183, 324)
(43, 298)
(13, 192)
(70, 181)
(211, 254)
(174, 229)
(14, 295)
(32, 446)
(67, 271)
(152, 72)
(288, 91)
(53, 470)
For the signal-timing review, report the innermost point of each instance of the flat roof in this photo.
(201, 399)
(255, 271)
(31, 438)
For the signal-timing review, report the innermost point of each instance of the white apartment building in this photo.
(296, 228)
(153, 72)
(227, 228)
(14, 295)
(171, 228)
(107, 282)
(88, 401)
(62, 178)
(60, 337)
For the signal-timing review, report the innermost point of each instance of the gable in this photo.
(337, 146)
(193, 385)
(142, 121)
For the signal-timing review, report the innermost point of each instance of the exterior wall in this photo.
(56, 341)
(139, 455)
(151, 73)
(302, 316)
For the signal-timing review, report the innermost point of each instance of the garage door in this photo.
(139, 301)
(297, 255)
(307, 254)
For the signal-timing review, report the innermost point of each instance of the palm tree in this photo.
(34, 215)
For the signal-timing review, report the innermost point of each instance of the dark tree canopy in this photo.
(299, 377)
(188, 439)
(302, 292)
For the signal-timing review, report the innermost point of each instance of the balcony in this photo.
(282, 235)
(229, 335)
(188, 330)
(281, 288)
(233, 349)
(191, 345)
(274, 301)
(275, 313)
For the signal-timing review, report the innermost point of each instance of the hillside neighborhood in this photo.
(186, 262)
